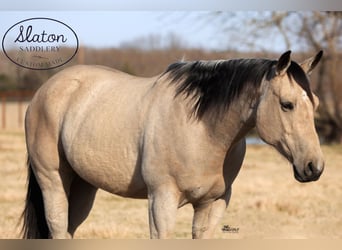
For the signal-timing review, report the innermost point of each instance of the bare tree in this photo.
(324, 30)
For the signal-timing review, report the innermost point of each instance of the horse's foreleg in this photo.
(163, 205)
(207, 217)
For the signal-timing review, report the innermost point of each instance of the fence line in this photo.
(13, 106)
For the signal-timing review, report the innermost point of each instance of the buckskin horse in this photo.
(174, 139)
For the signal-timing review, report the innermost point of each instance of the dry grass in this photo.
(267, 202)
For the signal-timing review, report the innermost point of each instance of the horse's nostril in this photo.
(311, 166)
(313, 171)
(310, 169)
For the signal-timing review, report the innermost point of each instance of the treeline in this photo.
(140, 62)
(147, 63)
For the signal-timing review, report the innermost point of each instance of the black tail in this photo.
(34, 225)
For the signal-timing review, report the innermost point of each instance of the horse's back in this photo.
(94, 115)
(76, 92)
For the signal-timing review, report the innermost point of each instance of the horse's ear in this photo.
(283, 63)
(309, 64)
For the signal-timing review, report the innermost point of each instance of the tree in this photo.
(324, 30)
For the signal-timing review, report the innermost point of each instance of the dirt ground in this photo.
(267, 202)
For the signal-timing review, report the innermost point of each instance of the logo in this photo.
(40, 43)
(228, 229)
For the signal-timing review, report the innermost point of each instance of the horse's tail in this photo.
(34, 222)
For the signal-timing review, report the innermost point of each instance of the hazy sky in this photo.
(113, 28)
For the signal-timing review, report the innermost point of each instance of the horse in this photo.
(177, 138)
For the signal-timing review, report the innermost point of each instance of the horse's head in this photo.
(285, 116)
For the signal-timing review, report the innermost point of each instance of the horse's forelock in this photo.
(296, 73)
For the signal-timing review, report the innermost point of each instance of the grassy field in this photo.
(267, 202)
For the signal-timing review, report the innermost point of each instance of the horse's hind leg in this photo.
(67, 198)
(81, 199)
(55, 186)
(53, 175)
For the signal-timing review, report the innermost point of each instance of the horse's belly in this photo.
(108, 164)
(103, 149)
(116, 179)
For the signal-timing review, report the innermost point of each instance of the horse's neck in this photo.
(235, 123)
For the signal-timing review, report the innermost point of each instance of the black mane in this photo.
(214, 85)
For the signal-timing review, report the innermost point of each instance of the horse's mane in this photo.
(214, 85)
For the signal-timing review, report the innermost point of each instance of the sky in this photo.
(101, 29)
(113, 28)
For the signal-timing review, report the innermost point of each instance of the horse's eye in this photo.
(287, 106)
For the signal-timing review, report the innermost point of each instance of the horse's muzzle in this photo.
(311, 172)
